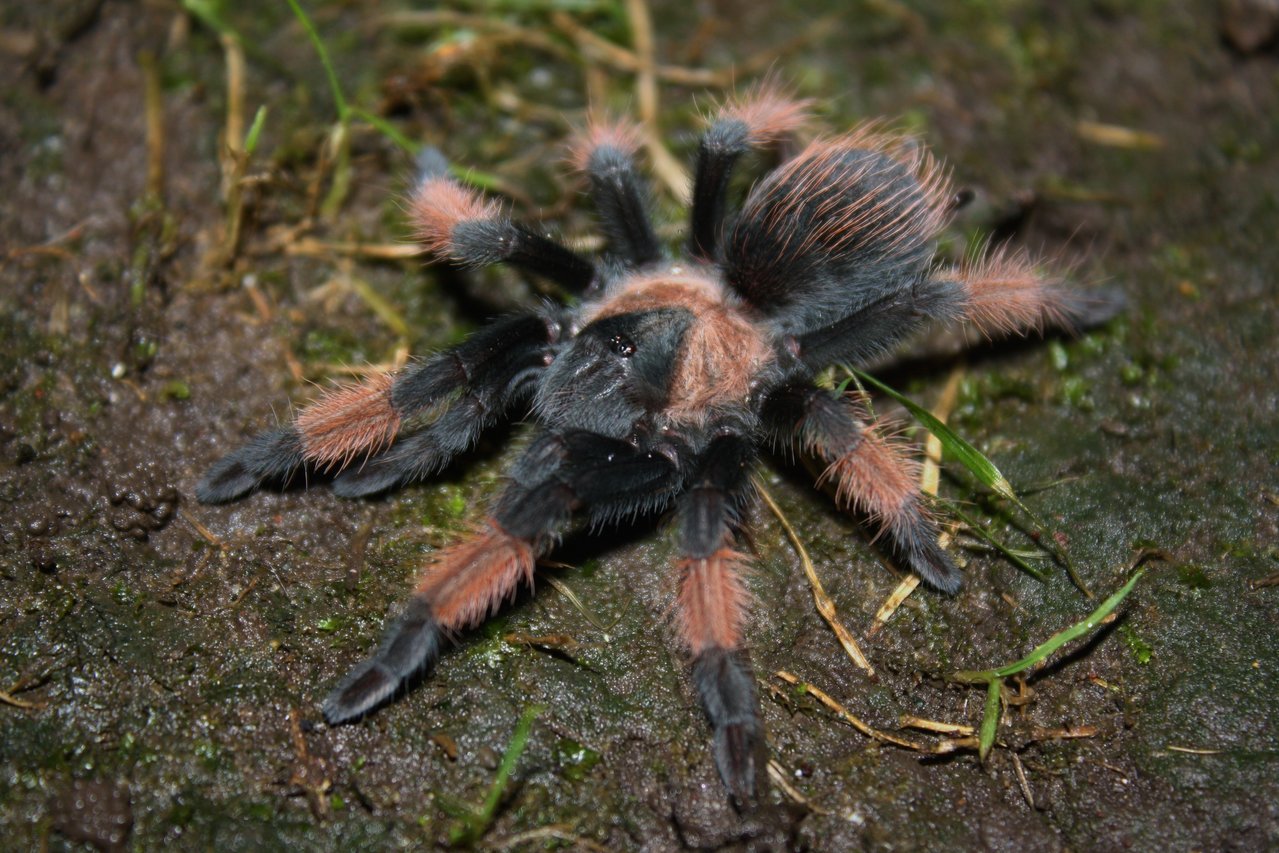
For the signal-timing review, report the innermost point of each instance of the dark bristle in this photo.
(410, 646)
(271, 456)
(916, 546)
(727, 690)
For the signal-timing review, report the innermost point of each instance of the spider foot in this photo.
(727, 691)
(411, 645)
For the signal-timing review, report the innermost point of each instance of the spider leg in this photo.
(456, 222)
(877, 326)
(606, 153)
(870, 473)
(474, 382)
(1003, 293)
(765, 116)
(468, 580)
(712, 609)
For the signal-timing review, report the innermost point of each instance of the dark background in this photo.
(161, 661)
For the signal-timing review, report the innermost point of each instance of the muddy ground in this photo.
(161, 661)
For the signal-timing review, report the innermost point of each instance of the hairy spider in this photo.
(657, 387)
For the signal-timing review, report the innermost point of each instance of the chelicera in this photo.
(655, 386)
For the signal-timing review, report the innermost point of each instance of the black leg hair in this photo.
(558, 474)
(564, 471)
(409, 649)
(868, 472)
(454, 221)
(717, 496)
(477, 379)
(726, 687)
(621, 200)
(492, 241)
(724, 143)
(875, 328)
(763, 117)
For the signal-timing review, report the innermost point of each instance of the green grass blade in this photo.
(208, 15)
(976, 462)
(387, 129)
(990, 718)
(1056, 641)
(985, 535)
(255, 131)
(471, 829)
(339, 99)
(967, 455)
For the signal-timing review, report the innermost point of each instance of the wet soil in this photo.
(161, 661)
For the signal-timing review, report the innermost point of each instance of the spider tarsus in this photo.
(377, 475)
(411, 644)
(727, 690)
(431, 163)
(1089, 309)
(272, 455)
(917, 547)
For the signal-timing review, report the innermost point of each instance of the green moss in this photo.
(574, 760)
(1141, 650)
(1193, 577)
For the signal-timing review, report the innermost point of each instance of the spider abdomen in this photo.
(845, 223)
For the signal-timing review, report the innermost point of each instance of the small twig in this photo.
(567, 591)
(667, 168)
(438, 18)
(620, 59)
(1117, 136)
(311, 247)
(941, 748)
(890, 605)
(359, 547)
(9, 699)
(154, 98)
(555, 832)
(777, 774)
(1194, 750)
(205, 533)
(912, 722)
(1070, 733)
(825, 605)
(1022, 781)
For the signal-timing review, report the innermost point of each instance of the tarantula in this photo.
(655, 388)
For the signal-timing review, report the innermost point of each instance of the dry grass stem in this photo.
(911, 722)
(825, 605)
(940, 748)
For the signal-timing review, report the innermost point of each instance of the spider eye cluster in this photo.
(622, 345)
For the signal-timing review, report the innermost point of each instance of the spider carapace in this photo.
(655, 388)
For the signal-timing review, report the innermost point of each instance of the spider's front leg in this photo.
(467, 581)
(712, 609)
(870, 473)
(402, 425)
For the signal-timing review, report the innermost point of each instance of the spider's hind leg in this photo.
(870, 473)
(1004, 293)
